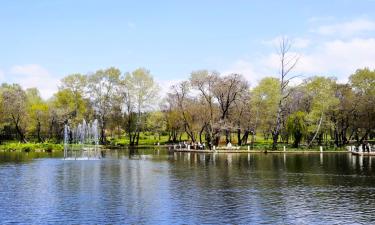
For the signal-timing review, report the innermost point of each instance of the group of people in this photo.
(366, 147)
(193, 145)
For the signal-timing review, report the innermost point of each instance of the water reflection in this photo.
(154, 186)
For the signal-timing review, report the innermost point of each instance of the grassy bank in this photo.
(31, 147)
(148, 140)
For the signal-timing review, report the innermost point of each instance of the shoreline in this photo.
(51, 147)
(256, 151)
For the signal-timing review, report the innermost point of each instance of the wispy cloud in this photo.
(165, 85)
(320, 53)
(247, 69)
(339, 58)
(29, 70)
(345, 29)
(33, 75)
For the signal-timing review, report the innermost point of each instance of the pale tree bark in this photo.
(287, 64)
(317, 130)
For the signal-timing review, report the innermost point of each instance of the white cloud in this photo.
(346, 29)
(29, 69)
(301, 42)
(33, 75)
(351, 46)
(247, 69)
(165, 86)
(340, 57)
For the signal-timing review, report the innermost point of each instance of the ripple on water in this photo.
(186, 189)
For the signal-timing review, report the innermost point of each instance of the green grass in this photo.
(150, 139)
(144, 139)
(31, 147)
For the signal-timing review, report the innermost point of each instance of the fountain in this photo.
(81, 142)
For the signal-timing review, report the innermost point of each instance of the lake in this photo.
(151, 186)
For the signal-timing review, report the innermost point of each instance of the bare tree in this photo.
(180, 93)
(204, 82)
(227, 90)
(288, 62)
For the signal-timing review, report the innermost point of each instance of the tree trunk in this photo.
(137, 138)
(227, 136)
(245, 137)
(19, 130)
(317, 130)
(102, 133)
(252, 139)
(276, 131)
(239, 137)
(275, 137)
(38, 131)
(200, 133)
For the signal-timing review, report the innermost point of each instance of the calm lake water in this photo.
(154, 187)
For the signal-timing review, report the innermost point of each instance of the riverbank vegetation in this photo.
(208, 107)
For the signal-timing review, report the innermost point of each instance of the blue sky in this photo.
(43, 40)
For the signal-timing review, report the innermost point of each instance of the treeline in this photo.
(320, 110)
(208, 107)
(119, 102)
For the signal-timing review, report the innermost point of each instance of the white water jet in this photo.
(86, 137)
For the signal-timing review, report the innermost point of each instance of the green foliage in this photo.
(297, 126)
(31, 147)
(206, 108)
(363, 81)
(264, 102)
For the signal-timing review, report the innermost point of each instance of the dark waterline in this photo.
(154, 187)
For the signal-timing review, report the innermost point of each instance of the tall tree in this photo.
(264, 100)
(141, 93)
(76, 84)
(288, 62)
(205, 81)
(321, 90)
(38, 111)
(227, 90)
(102, 87)
(14, 106)
(363, 84)
(180, 96)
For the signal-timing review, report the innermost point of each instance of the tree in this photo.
(76, 85)
(321, 90)
(14, 106)
(140, 92)
(38, 111)
(363, 84)
(227, 90)
(102, 87)
(296, 125)
(174, 123)
(264, 105)
(287, 63)
(181, 99)
(242, 117)
(156, 122)
(205, 81)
